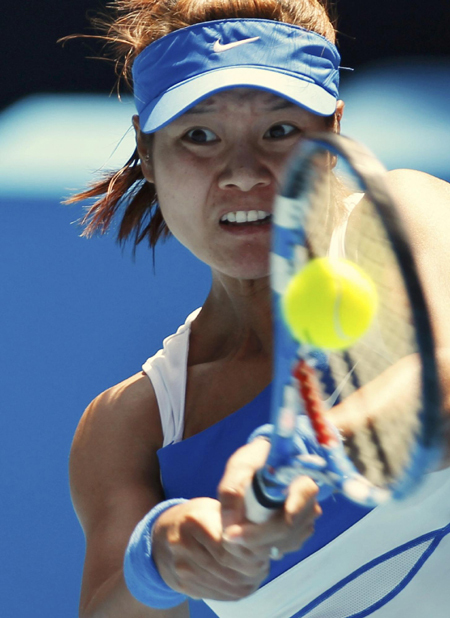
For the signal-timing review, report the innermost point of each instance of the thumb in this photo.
(237, 478)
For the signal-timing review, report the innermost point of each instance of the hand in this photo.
(193, 558)
(287, 529)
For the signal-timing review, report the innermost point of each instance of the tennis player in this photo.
(224, 92)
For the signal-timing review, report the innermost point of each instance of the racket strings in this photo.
(367, 458)
(385, 443)
(381, 445)
(329, 388)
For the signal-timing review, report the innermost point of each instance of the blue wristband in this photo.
(264, 431)
(141, 574)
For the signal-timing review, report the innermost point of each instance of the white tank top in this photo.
(167, 371)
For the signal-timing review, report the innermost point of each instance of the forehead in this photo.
(266, 101)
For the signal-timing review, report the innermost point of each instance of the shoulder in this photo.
(421, 198)
(423, 202)
(115, 444)
(125, 407)
(407, 176)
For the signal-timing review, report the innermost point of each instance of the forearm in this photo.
(113, 600)
(443, 356)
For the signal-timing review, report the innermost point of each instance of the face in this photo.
(217, 169)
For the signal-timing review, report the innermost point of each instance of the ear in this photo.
(338, 116)
(337, 126)
(144, 143)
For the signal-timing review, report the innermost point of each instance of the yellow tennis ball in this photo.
(330, 304)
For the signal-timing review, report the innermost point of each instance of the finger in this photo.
(300, 507)
(237, 477)
(240, 551)
(203, 582)
(194, 560)
(288, 528)
(301, 500)
(229, 555)
(206, 535)
(207, 587)
(199, 569)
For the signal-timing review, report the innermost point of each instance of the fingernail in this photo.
(233, 534)
(228, 517)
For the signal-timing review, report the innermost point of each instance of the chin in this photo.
(248, 272)
(243, 263)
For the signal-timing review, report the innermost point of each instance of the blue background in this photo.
(78, 315)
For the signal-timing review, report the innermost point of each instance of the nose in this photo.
(244, 171)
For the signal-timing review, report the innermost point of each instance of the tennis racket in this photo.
(387, 380)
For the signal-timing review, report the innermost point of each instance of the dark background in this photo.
(34, 62)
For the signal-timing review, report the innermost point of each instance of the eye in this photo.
(278, 131)
(201, 136)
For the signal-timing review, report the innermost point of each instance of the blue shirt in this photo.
(193, 468)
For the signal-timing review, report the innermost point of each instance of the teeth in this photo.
(244, 216)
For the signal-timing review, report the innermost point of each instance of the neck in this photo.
(236, 318)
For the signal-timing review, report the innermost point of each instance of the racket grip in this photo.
(259, 507)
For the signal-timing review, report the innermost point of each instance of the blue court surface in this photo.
(78, 316)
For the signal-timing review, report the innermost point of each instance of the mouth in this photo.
(245, 218)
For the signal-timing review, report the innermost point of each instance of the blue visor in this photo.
(186, 66)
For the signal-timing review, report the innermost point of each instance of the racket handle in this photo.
(259, 507)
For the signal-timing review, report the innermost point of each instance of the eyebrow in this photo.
(209, 106)
(282, 104)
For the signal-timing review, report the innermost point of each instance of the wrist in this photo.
(140, 571)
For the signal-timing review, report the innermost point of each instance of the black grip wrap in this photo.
(261, 496)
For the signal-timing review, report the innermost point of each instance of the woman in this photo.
(224, 92)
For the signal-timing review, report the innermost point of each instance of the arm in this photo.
(424, 203)
(114, 482)
(424, 206)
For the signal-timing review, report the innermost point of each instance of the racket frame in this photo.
(270, 484)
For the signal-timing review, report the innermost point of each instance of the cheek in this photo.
(281, 161)
(179, 196)
(177, 175)
(183, 185)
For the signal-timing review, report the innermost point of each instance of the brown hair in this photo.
(132, 26)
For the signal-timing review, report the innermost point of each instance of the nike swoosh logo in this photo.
(218, 47)
(329, 403)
